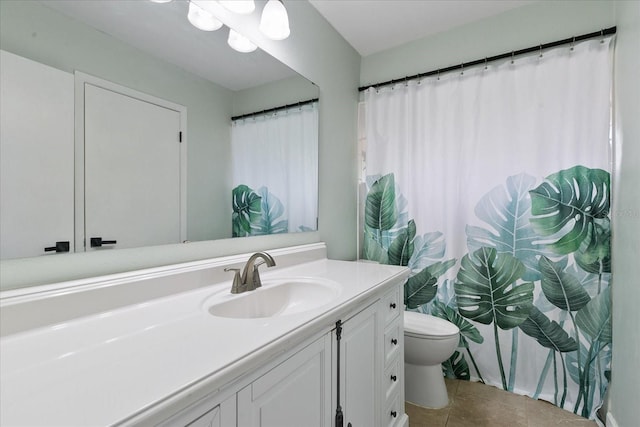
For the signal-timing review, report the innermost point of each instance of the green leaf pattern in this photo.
(569, 205)
(258, 213)
(538, 266)
(487, 292)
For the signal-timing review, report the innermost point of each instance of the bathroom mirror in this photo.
(152, 49)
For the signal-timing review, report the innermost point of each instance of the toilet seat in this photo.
(421, 325)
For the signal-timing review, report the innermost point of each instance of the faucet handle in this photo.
(237, 280)
(256, 276)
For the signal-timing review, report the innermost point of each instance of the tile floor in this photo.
(472, 404)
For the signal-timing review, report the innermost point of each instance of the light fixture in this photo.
(202, 19)
(239, 6)
(240, 43)
(275, 22)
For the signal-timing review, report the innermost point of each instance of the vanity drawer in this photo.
(392, 342)
(392, 378)
(391, 305)
(394, 411)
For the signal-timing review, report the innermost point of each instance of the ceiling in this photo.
(164, 31)
(371, 26)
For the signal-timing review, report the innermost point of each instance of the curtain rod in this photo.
(601, 33)
(271, 110)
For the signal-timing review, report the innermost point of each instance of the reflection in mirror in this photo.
(275, 159)
(153, 50)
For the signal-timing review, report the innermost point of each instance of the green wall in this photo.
(625, 385)
(531, 25)
(283, 92)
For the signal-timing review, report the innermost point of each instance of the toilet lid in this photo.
(428, 326)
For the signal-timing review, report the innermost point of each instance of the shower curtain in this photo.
(492, 185)
(275, 172)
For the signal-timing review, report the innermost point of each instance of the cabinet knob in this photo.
(394, 341)
(392, 305)
(394, 414)
(394, 378)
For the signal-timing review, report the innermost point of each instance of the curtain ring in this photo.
(602, 36)
(540, 51)
(486, 67)
(438, 73)
(406, 81)
(512, 56)
(573, 42)
(462, 69)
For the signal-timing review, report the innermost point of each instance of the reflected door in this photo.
(36, 156)
(132, 171)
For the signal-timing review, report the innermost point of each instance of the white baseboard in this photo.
(611, 422)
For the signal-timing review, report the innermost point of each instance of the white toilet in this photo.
(428, 341)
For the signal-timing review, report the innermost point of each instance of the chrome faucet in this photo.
(250, 278)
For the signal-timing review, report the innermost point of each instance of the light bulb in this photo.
(275, 22)
(239, 6)
(160, 1)
(202, 19)
(240, 43)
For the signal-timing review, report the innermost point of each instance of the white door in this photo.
(132, 171)
(36, 155)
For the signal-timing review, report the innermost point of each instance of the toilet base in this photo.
(424, 386)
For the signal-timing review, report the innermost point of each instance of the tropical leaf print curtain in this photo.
(493, 185)
(275, 172)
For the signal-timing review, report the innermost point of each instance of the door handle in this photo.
(59, 247)
(97, 242)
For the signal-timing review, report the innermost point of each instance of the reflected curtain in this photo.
(275, 172)
(492, 185)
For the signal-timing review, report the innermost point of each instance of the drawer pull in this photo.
(392, 305)
(394, 414)
(394, 341)
(394, 378)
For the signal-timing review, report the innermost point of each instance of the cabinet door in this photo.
(210, 419)
(295, 393)
(359, 368)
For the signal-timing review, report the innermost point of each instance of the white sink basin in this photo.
(276, 298)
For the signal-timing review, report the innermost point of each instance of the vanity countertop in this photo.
(119, 366)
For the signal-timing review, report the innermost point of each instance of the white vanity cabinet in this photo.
(184, 366)
(207, 413)
(372, 364)
(301, 388)
(392, 386)
(360, 352)
(295, 393)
